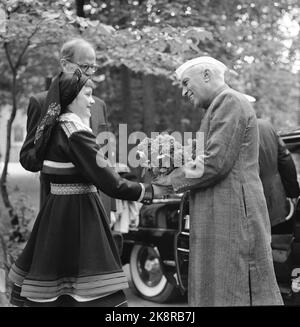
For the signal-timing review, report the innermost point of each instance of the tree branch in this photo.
(11, 65)
(79, 8)
(27, 45)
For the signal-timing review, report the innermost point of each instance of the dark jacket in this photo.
(28, 160)
(277, 172)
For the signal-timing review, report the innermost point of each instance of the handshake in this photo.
(165, 184)
(162, 186)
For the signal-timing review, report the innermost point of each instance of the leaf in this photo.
(93, 23)
(50, 15)
(194, 47)
(168, 30)
(32, 46)
(198, 34)
(161, 45)
(106, 29)
(12, 3)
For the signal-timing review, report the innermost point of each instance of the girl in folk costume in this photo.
(71, 258)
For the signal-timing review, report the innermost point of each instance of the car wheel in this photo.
(147, 275)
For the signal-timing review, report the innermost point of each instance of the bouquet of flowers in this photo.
(162, 154)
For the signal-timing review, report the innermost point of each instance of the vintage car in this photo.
(158, 248)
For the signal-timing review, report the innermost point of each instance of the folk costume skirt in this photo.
(71, 250)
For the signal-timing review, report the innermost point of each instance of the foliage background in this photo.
(258, 39)
(139, 44)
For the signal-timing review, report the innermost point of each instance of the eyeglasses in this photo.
(86, 68)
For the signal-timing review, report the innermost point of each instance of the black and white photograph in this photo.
(150, 156)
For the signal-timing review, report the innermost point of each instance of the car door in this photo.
(181, 247)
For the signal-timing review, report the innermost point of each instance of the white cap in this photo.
(200, 60)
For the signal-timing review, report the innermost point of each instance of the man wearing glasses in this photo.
(76, 53)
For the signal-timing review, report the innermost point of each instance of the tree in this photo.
(151, 37)
(28, 27)
(246, 35)
(253, 38)
(31, 26)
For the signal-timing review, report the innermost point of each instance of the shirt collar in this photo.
(215, 94)
(71, 116)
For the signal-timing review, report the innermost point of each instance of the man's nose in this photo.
(92, 100)
(184, 91)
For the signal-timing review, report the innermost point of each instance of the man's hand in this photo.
(194, 168)
(165, 180)
(160, 191)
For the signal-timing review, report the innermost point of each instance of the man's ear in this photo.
(206, 75)
(66, 66)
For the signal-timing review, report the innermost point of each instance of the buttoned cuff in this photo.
(142, 193)
(146, 194)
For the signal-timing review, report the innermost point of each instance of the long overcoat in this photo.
(230, 240)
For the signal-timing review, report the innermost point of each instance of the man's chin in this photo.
(195, 104)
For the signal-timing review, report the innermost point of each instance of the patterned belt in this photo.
(66, 189)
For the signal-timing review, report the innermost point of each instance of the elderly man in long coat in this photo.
(230, 260)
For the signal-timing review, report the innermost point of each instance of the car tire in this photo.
(147, 275)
